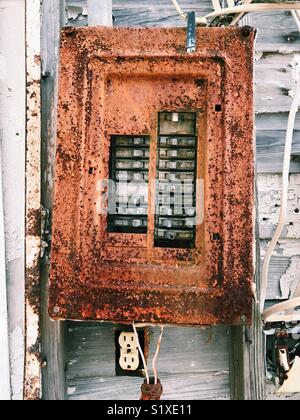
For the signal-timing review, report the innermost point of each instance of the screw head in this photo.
(44, 364)
(56, 309)
(246, 30)
(244, 319)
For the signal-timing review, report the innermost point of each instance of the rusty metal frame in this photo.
(101, 276)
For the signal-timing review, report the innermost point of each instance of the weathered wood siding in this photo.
(53, 356)
(194, 362)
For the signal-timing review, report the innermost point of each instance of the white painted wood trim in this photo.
(12, 124)
(99, 12)
(4, 345)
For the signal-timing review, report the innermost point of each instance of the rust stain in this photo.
(32, 292)
(115, 81)
(33, 225)
(37, 59)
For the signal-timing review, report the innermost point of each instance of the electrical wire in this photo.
(156, 354)
(296, 16)
(240, 15)
(216, 4)
(183, 16)
(141, 353)
(244, 8)
(274, 312)
(253, 8)
(179, 10)
(284, 195)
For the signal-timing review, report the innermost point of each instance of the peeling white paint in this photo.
(295, 64)
(285, 50)
(74, 11)
(5, 391)
(288, 248)
(33, 246)
(3, 71)
(258, 55)
(289, 281)
(16, 339)
(269, 198)
(71, 390)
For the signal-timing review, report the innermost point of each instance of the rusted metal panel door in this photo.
(153, 217)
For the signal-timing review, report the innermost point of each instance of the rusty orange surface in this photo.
(115, 81)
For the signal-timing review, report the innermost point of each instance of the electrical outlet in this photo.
(129, 354)
(128, 360)
(128, 340)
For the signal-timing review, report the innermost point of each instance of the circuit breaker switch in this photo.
(175, 117)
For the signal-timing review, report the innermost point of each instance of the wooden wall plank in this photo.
(100, 13)
(283, 266)
(270, 149)
(275, 82)
(274, 121)
(284, 270)
(278, 267)
(270, 187)
(186, 350)
(200, 371)
(199, 386)
(247, 368)
(91, 349)
(278, 31)
(53, 353)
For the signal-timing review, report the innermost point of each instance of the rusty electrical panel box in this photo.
(154, 187)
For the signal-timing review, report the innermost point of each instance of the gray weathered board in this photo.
(194, 362)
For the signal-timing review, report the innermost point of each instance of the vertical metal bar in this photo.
(99, 12)
(4, 345)
(191, 32)
(32, 380)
